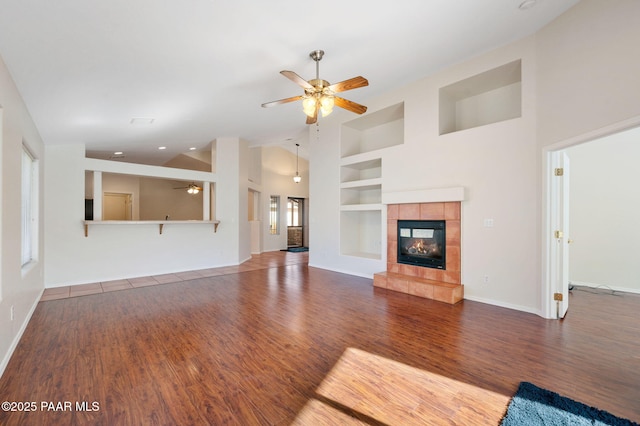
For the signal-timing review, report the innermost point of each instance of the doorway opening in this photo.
(295, 222)
(557, 239)
(117, 206)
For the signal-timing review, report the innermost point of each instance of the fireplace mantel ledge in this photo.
(434, 195)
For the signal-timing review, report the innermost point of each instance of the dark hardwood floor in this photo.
(253, 347)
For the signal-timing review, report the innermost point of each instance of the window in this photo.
(274, 215)
(29, 206)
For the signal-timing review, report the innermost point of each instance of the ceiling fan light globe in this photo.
(309, 106)
(326, 111)
(326, 105)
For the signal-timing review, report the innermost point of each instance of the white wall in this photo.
(588, 67)
(496, 164)
(587, 82)
(20, 288)
(124, 251)
(580, 73)
(231, 190)
(604, 203)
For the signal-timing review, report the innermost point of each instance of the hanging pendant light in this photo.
(297, 178)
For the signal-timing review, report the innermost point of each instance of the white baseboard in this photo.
(605, 287)
(504, 305)
(16, 339)
(341, 271)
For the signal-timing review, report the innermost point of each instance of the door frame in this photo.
(559, 230)
(550, 205)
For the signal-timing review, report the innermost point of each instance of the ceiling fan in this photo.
(319, 95)
(192, 188)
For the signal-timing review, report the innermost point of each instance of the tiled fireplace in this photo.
(432, 283)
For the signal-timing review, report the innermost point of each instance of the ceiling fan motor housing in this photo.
(319, 85)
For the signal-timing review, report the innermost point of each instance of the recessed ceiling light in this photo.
(527, 4)
(118, 153)
(162, 147)
(193, 148)
(142, 120)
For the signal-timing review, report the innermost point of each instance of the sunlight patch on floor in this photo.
(378, 389)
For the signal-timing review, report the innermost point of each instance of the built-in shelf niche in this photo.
(361, 215)
(485, 98)
(364, 236)
(361, 183)
(366, 194)
(361, 206)
(359, 171)
(376, 130)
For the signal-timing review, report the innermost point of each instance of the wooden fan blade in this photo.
(281, 101)
(312, 120)
(297, 79)
(352, 83)
(349, 105)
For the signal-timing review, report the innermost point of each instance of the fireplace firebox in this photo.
(422, 243)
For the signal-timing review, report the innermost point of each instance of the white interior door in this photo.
(560, 228)
(116, 206)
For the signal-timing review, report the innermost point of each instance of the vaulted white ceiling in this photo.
(201, 68)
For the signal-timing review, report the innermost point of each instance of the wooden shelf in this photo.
(160, 223)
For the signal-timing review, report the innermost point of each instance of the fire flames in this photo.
(421, 247)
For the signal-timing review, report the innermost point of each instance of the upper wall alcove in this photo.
(485, 98)
(376, 130)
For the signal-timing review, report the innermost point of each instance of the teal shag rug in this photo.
(533, 406)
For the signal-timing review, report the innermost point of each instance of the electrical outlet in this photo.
(485, 279)
(13, 313)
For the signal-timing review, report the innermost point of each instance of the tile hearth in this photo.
(430, 283)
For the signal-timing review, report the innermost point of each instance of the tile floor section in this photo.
(259, 261)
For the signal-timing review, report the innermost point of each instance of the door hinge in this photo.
(559, 171)
(557, 297)
(558, 234)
